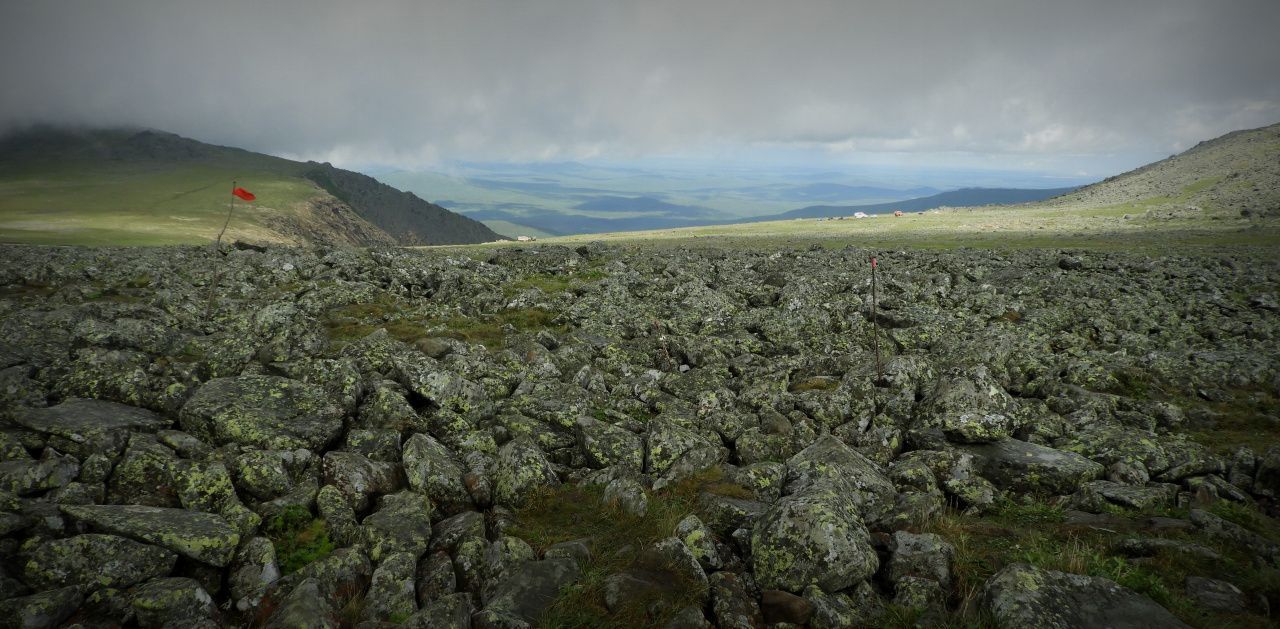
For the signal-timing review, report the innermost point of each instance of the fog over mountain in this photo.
(1070, 88)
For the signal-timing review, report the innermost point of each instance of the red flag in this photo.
(243, 194)
(873, 262)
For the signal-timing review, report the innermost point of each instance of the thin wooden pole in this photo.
(217, 248)
(875, 325)
(231, 208)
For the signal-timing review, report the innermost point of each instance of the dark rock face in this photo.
(365, 436)
(1024, 596)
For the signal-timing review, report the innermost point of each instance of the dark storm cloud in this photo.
(413, 82)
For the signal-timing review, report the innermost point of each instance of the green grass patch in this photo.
(1037, 533)
(299, 538)
(616, 538)
(491, 331)
(553, 284)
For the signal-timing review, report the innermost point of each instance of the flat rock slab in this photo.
(201, 536)
(1025, 596)
(266, 412)
(83, 427)
(1027, 467)
(530, 587)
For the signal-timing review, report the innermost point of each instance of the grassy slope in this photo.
(97, 203)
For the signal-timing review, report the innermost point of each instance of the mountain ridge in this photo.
(148, 155)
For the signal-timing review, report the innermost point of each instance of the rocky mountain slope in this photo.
(1237, 174)
(56, 180)
(609, 437)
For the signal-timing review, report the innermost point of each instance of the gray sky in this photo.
(1055, 85)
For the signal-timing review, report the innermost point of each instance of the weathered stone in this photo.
(1216, 595)
(402, 523)
(175, 601)
(253, 571)
(1024, 596)
(924, 555)
(521, 468)
(204, 537)
(43, 610)
(605, 445)
(433, 470)
(1027, 467)
(391, 596)
(1096, 495)
(626, 495)
(815, 538)
(529, 588)
(262, 411)
(304, 606)
(829, 462)
(435, 577)
(359, 478)
(969, 407)
(83, 427)
(733, 603)
(104, 561)
(25, 478)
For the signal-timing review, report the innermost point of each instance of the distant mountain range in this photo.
(124, 186)
(964, 197)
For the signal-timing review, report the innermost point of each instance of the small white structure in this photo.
(860, 215)
(525, 238)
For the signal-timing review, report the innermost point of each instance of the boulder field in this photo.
(323, 437)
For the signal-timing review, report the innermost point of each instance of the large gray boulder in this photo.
(265, 412)
(521, 468)
(970, 407)
(205, 537)
(83, 427)
(605, 445)
(526, 592)
(97, 560)
(1025, 596)
(828, 461)
(812, 538)
(1027, 467)
(433, 470)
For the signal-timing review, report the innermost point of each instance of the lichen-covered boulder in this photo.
(605, 445)
(391, 596)
(27, 477)
(84, 427)
(812, 538)
(1110, 444)
(924, 555)
(253, 571)
(526, 592)
(303, 606)
(1025, 596)
(666, 441)
(1027, 467)
(433, 470)
(172, 602)
(828, 461)
(701, 542)
(100, 561)
(359, 478)
(205, 537)
(402, 523)
(734, 602)
(521, 468)
(42, 610)
(266, 412)
(970, 407)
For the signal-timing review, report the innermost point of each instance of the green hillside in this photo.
(124, 187)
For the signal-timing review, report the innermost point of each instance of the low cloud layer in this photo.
(412, 83)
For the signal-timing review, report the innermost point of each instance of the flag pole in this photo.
(217, 247)
(875, 326)
(231, 208)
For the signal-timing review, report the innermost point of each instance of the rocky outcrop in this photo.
(370, 436)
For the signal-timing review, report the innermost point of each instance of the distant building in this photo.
(860, 215)
(525, 238)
